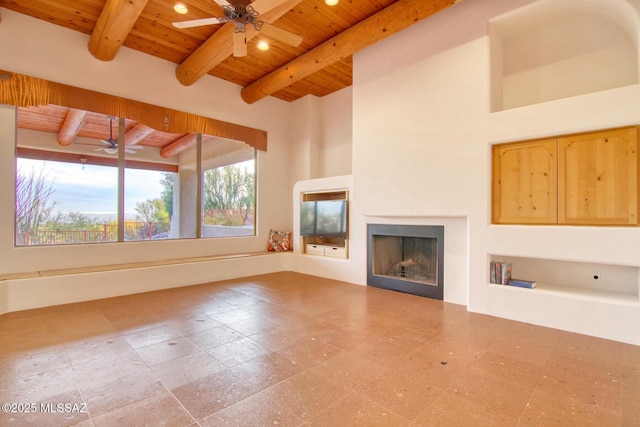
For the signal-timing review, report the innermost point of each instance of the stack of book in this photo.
(521, 283)
(500, 272)
(501, 275)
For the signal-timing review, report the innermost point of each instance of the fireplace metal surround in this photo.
(406, 258)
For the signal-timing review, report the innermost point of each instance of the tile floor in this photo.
(293, 350)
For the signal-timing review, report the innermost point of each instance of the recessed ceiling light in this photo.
(331, 2)
(180, 8)
(263, 45)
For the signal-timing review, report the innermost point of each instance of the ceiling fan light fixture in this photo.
(111, 150)
(331, 2)
(180, 8)
(263, 45)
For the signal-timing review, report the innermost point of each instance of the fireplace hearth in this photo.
(406, 258)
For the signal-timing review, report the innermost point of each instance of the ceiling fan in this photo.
(243, 13)
(111, 145)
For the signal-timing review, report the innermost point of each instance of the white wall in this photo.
(336, 133)
(547, 46)
(305, 139)
(7, 173)
(421, 148)
(41, 49)
(352, 269)
(322, 135)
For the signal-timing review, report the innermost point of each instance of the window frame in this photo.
(22, 90)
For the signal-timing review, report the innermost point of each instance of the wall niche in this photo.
(554, 49)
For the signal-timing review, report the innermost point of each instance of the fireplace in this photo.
(406, 258)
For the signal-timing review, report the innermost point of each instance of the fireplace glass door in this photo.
(406, 259)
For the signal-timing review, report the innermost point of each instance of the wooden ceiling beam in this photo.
(220, 46)
(178, 146)
(114, 24)
(71, 126)
(388, 21)
(137, 134)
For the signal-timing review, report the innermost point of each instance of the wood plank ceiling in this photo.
(320, 65)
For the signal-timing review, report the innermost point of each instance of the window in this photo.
(228, 207)
(148, 204)
(82, 186)
(60, 202)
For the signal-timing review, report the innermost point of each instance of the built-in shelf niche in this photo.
(554, 49)
(606, 282)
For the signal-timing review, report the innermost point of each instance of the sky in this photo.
(93, 189)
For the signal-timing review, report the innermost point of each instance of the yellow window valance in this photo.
(24, 91)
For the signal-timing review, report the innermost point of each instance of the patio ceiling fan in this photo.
(111, 144)
(244, 13)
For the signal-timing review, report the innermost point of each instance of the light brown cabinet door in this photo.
(525, 183)
(598, 178)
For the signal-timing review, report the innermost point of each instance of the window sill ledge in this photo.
(126, 266)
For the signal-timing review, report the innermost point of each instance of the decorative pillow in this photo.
(279, 241)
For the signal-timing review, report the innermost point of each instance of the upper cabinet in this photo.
(525, 183)
(583, 179)
(598, 178)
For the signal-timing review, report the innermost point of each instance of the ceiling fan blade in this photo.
(239, 44)
(199, 22)
(282, 35)
(134, 147)
(222, 2)
(263, 6)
